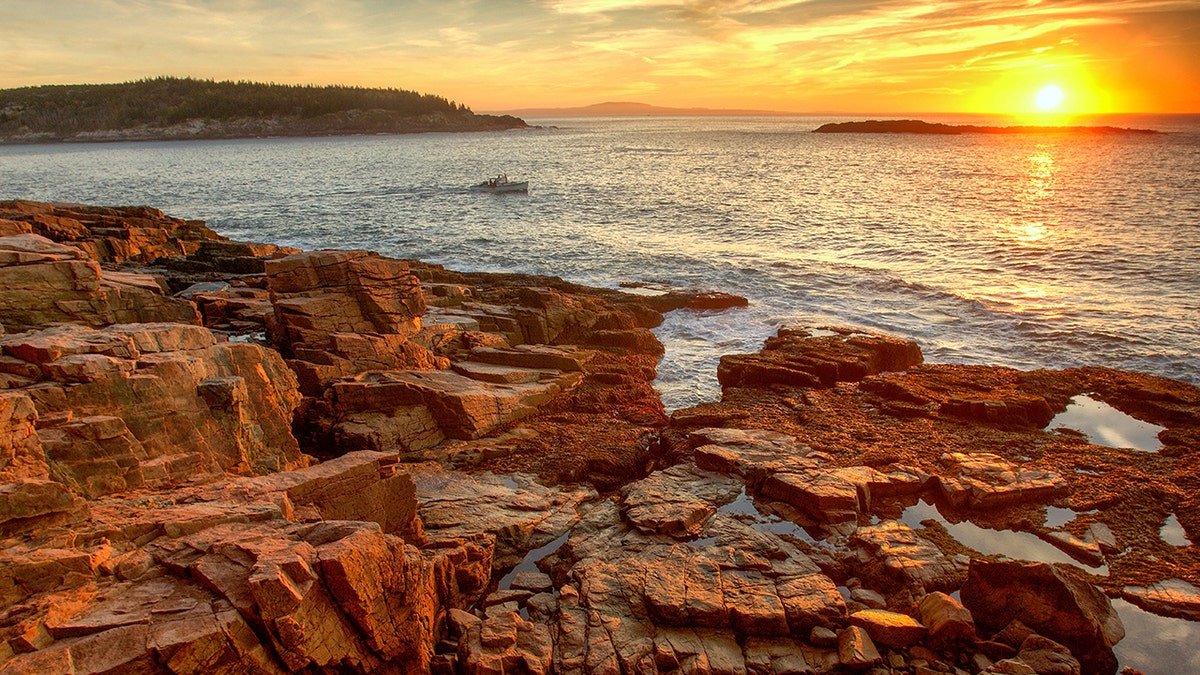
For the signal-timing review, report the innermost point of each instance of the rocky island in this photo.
(937, 128)
(171, 109)
(229, 457)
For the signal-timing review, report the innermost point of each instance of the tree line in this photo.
(163, 101)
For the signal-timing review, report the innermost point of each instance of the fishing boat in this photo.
(501, 183)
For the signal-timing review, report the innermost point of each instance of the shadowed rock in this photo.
(1051, 601)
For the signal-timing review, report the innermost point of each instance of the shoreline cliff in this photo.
(219, 456)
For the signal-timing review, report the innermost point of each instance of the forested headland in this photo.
(180, 108)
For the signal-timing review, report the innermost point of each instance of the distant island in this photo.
(170, 108)
(630, 109)
(920, 127)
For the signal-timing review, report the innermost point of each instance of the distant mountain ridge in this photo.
(633, 109)
(170, 108)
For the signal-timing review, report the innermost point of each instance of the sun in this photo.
(1049, 97)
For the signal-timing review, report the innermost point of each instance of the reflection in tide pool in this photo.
(1156, 645)
(1105, 425)
(1009, 543)
(1172, 533)
(1056, 516)
(531, 559)
(743, 508)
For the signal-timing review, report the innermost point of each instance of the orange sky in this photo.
(807, 55)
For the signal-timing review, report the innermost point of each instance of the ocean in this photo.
(1027, 251)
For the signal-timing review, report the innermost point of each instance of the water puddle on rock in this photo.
(252, 338)
(1172, 533)
(1057, 516)
(1156, 645)
(1008, 543)
(531, 559)
(743, 509)
(1103, 424)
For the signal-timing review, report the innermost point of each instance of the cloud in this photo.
(563, 52)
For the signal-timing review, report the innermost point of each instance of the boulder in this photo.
(889, 628)
(319, 293)
(1047, 657)
(985, 480)
(461, 407)
(948, 621)
(795, 358)
(1052, 601)
(856, 651)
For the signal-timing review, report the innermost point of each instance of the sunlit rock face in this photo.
(150, 405)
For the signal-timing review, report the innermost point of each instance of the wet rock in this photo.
(1047, 657)
(710, 300)
(948, 621)
(1171, 597)
(1079, 549)
(1051, 601)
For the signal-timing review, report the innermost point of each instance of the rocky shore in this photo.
(343, 123)
(937, 128)
(227, 457)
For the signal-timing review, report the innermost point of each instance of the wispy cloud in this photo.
(516, 53)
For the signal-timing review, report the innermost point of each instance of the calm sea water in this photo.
(1027, 251)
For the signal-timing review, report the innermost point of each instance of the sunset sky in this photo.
(787, 55)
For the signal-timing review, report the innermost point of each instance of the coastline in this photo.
(467, 419)
(345, 123)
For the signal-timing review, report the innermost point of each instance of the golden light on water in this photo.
(1029, 233)
(1039, 178)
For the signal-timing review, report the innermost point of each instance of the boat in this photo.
(501, 183)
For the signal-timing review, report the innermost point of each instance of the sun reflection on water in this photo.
(1030, 232)
(1039, 177)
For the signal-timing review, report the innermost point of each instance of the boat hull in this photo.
(522, 186)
